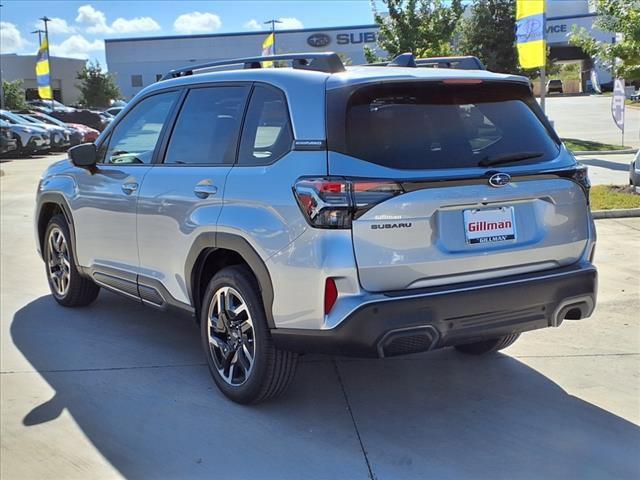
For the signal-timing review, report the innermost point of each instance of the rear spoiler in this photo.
(408, 60)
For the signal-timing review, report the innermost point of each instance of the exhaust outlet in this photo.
(573, 309)
(408, 340)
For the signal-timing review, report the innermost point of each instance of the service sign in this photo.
(617, 103)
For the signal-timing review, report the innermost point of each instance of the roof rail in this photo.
(407, 60)
(327, 62)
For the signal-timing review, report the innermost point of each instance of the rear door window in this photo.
(439, 126)
(206, 131)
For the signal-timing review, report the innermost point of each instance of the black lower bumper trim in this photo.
(438, 318)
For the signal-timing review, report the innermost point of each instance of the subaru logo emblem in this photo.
(319, 40)
(499, 179)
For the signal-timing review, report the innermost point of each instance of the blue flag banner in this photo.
(530, 38)
(43, 75)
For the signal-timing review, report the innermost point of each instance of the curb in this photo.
(619, 213)
(604, 152)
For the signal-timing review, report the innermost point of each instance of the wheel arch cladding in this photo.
(210, 252)
(50, 204)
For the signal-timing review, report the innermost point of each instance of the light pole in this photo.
(39, 32)
(1, 86)
(273, 22)
(46, 19)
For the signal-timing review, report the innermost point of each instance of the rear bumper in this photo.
(438, 317)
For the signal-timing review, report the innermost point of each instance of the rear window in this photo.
(438, 126)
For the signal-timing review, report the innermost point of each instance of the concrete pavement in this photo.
(589, 118)
(119, 390)
(607, 169)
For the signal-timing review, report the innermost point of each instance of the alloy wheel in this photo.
(58, 262)
(231, 336)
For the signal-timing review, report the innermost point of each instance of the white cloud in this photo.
(11, 40)
(56, 26)
(76, 46)
(289, 23)
(197, 22)
(95, 22)
(138, 24)
(253, 24)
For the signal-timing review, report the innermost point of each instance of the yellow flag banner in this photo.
(530, 33)
(268, 48)
(42, 72)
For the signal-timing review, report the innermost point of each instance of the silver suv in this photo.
(369, 211)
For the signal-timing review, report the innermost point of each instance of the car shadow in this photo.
(8, 157)
(135, 381)
(593, 162)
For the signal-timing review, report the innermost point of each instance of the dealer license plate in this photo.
(489, 225)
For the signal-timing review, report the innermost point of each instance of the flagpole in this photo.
(39, 32)
(273, 30)
(543, 88)
(46, 19)
(543, 70)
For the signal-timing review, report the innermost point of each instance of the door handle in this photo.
(129, 187)
(204, 189)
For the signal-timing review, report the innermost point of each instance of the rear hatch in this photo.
(484, 187)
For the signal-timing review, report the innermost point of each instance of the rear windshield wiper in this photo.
(508, 158)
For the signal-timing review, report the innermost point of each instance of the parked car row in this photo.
(7, 142)
(92, 118)
(27, 132)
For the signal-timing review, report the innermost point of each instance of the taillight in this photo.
(330, 295)
(581, 176)
(332, 202)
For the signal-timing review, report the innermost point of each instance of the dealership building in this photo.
(64, 72)
(138, 62)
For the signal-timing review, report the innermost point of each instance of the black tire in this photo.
(272, 369)
(487, 346)
(20, 151)
(81, 291)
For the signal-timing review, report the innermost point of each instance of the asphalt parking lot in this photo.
(120, 390)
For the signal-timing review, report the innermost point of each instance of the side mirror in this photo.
(84, 155)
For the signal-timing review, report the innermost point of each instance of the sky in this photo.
(78, 28)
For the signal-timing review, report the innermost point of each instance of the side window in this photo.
(134, 139)
(207, 128)
(267, 132)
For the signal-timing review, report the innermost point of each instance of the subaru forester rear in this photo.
(468, 219)
(369, 211)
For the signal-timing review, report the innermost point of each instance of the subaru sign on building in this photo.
(318, 40)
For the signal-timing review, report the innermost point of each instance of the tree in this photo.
(621, 17)
(13, 95)
(97, 88)
(489, 34)
(346, 60)
(422, 27)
